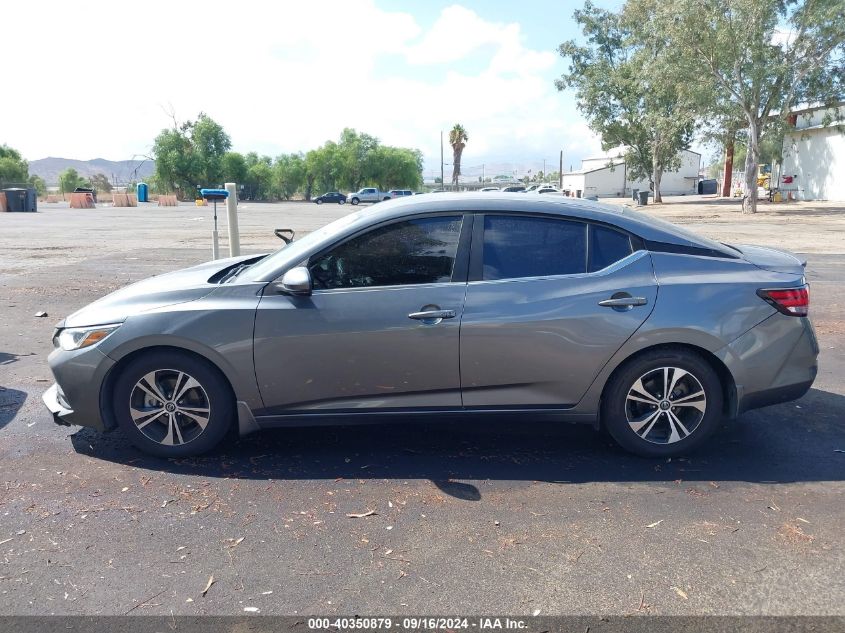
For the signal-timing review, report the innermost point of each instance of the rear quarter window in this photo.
(607, 246)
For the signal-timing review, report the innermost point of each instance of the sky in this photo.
(285, 76)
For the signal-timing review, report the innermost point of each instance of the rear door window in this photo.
(525, 246)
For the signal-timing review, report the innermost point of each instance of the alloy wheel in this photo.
(169, 407)
(665, 405)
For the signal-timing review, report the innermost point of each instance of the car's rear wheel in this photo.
(663, 403)
(341, 201)
(172, 404)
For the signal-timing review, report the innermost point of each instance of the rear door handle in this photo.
(623, 302)
(430, 315)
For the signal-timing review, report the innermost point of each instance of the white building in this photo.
(607, 176)
(814, 155)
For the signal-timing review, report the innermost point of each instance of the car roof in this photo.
(645, 226)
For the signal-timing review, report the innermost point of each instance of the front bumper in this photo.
(75, 397)
(56, 403)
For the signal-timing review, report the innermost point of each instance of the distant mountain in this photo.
(119, 171)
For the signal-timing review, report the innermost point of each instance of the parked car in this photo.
(532, 188)
(331, 196)
(399, 193)
(513, 189)
(548, 189)
(489, 189)
(395, 310)
(367, 194)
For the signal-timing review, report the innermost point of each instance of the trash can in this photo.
(642, 198)
(143, 192)
(15, 199)
(634, 193)
(707, 187)
(31, 199)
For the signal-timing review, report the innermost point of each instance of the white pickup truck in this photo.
(367, 194)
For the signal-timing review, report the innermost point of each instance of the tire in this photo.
(355, 201)
(173, 427)
(319, 201)
(640, 417)
(341, 201)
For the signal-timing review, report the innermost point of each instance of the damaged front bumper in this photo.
(55, 402)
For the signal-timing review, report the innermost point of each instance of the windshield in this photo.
(294, 252)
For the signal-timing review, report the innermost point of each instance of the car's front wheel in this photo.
(355, 201)
(663, 403)
(172, 404)
(319, 201)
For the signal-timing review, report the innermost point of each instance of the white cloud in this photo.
(280, 77)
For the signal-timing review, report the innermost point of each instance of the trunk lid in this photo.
(772, 259)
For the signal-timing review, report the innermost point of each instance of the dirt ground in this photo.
(472, 519)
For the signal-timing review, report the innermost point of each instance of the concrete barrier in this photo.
(82, 201)
(168, 201)
(125, 200)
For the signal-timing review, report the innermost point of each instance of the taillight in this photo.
(790, 301)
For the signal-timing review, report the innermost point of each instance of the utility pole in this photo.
(560, 172)
(483, 178)
(442, 179)
(544, 171)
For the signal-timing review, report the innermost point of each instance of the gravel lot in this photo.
(481, 518)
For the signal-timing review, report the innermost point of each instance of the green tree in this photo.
(190, 154)
(210, 143)
(758, 58)
(628, 90)
(70, 179)
(100, 182)
(233, 168)
(258, 183)
(13, 167)
(355, 154)
(38, 183)
(289, 173)
(324, 166)
(458, 139)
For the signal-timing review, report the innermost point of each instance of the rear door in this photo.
(549, 301)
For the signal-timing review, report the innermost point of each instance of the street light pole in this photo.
(442, 179)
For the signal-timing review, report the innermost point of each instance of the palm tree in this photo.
(458, 140)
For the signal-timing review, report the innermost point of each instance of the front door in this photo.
(549, 301)
(380, 330)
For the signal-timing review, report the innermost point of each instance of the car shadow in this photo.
(791, 442)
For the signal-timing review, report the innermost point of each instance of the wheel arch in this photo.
(726, 378)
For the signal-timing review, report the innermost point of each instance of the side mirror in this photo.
(296, 281)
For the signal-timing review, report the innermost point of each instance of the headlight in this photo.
(73, 338)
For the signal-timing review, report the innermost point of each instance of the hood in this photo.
(188, 284)
(772, 259)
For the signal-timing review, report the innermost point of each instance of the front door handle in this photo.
(432, 315)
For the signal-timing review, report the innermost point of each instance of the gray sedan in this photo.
(455, 306)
